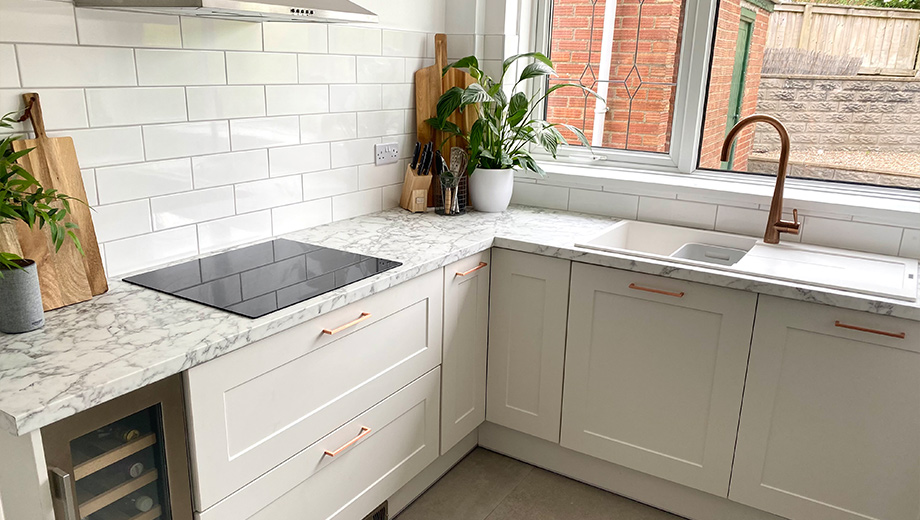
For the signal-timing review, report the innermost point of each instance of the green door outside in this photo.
(736, 95)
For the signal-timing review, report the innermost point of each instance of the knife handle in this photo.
(415, 155)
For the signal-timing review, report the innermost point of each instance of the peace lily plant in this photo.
(499, 140)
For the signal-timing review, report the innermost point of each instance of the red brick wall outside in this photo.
(649, 121)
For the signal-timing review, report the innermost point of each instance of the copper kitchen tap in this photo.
(775, 222)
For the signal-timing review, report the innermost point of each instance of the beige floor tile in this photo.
(547, 496)
(471, 490)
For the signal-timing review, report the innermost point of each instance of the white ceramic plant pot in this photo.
(490, 190)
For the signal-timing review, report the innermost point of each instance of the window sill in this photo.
(864, 203)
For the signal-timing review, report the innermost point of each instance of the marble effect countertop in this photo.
(95, 351)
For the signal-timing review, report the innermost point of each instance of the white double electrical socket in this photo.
(386, 153)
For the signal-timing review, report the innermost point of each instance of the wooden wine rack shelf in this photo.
(117, 493)
(111, 457)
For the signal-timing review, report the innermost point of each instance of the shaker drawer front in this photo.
(257, 407)
(375, 454)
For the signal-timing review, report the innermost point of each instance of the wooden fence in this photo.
(887, 40)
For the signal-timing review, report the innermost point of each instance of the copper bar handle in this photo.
(656, 291)
(365, 431)
(364, 316)
(898, 335)
(473, 270)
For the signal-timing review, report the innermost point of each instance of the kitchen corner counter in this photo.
(95, 351)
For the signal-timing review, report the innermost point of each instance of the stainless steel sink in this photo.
(863, 273)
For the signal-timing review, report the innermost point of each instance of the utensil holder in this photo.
(415, 191)
(453, 195)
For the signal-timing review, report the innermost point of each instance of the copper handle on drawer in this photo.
(899, 335)
(473, 270)
(364, 316)
(656, 291)
(365, 431)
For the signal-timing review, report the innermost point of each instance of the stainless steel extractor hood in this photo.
(252, 11)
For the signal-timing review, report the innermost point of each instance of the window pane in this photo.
(843, 79)
(637, 74)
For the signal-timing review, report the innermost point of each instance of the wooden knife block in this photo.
(415, 191)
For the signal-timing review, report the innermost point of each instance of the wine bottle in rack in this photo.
(129, 468)
(142, 503)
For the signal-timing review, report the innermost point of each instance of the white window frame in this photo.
(682, 159)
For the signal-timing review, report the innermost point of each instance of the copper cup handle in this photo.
(365, 431)
(473, 270)
(364, 316)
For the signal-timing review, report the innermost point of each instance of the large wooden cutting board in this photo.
(65, 276)
(430, 84)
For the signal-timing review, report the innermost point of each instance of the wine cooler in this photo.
(126, 459)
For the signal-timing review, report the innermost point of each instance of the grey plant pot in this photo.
(21, 299)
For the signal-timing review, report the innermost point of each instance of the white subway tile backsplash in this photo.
(345, 39)
(261, 68)
(329, 183)
(225, 102)
(600, 203)
(286, 100)
(142, 180)
(379, 69)
(191, 207)
(291, 160)
(269, 193)
(37, 21)
(266, 132)
(126, 29)
(352, 153)
(910, 243)
(404, 43)
(531, 194)
(356, 204)
(742, 221)
(157, 67)
(89, 185)
(10, 76)
(294, 37)
(229, 168)
(302, 215)
(390, 122)
(460, 46)
(63, 66)
(233, 231)
(372, 176)
(115, 221)
(353, 98)
(858, 236)
(679, 212)
(61, 108)
(210, 33)
(186, 139)
(106, 146)
(134, 254)
(493, 47)
(328, 127)
(398, 96)
(391, 195)
(135, 106)
(322, 68)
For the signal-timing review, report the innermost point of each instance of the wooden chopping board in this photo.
(430, 84)
(65, 276)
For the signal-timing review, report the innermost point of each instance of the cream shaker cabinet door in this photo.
(654, 374)
(466, 337)
(527, 342)
(830, 428)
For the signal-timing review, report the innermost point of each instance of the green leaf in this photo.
(579, 134)
(517, 109)
(535, 70)
(449, 102)
(474, 94)
(476, 136)
(539, 56)
(462, 63)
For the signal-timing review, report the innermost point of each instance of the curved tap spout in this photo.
(775, 222)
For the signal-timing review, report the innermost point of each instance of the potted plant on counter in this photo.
(22, 198)
(500, 138)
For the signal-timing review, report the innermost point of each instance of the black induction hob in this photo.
(257, 280)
